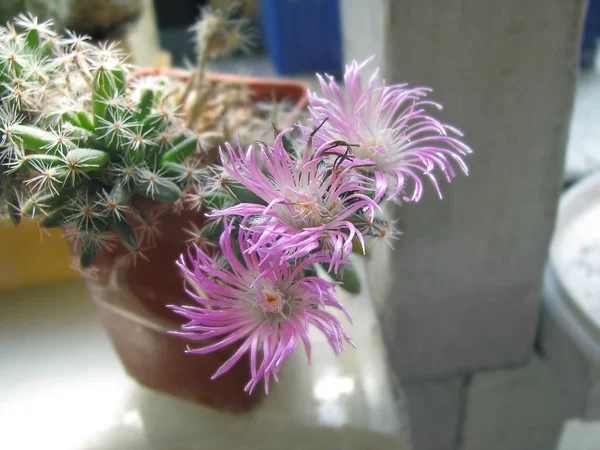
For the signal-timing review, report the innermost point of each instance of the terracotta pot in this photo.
(260, 88)
(131, 297)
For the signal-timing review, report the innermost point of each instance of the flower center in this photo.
(368, 150)
(379, 148)
(274, 301)
(310, 213)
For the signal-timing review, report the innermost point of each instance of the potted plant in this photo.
(111, 157)
(319, 199)
(263, 233)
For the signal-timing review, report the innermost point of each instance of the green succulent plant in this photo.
(79, 146)
(87, 146)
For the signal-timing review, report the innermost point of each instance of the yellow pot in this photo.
(29, 257)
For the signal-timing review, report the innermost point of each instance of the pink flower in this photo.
(265, 303)
(395, 137)
(309, 202)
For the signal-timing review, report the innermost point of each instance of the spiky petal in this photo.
(397, 142)
(308, 204)
(263, 303)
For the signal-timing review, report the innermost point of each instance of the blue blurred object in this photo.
(591, 30)
(303, 36)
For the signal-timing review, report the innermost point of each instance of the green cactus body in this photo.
(84, 149)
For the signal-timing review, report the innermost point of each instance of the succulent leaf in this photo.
(180, 151)
(86, 159)
(57, 219)
(125, 234)
(37, 140)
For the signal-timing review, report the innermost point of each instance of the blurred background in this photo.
(482, 332)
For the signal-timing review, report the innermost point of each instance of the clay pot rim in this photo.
(265, 82)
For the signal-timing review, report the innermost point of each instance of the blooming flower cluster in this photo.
(314, 201)
(397, 143)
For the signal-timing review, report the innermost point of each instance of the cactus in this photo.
(86, 147)
(81, 143)
(79, 149)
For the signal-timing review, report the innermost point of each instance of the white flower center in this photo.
(370, 150)
(383, 148)
(310, 213)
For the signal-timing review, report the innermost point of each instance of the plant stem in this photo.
(196, 77)
(195, 109)
(199, 76)
(200, 73)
